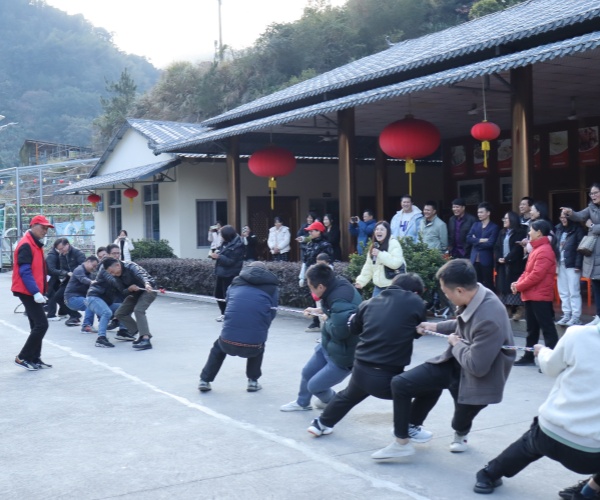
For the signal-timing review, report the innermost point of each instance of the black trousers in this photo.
(365, 381)
(59, 298)
(32, 350)
(540, 315)
(417, 391)
(485, 275)
(532, 446)
(219, 352)
(221, 287)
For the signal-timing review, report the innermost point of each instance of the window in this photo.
(114, 214)
(207, 213)
(151, 213)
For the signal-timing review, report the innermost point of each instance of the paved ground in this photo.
(114, 423)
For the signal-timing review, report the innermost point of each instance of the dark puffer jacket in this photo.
(72, 260)
(339, 302)
(575, 233)
(231, 258)
(314, 247)
(250, 302)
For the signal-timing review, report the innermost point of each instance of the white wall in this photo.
(131, 151)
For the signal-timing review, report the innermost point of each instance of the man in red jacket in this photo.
(29, 284)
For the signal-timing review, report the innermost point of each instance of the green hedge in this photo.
(196, 276)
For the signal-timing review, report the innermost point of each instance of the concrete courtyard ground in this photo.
(120, 424)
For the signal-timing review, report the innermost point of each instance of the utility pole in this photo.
(220, 35)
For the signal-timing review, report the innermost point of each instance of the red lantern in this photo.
(130, 193)
(94, 199)
(272, 162)
(410, 139)
(485, 132)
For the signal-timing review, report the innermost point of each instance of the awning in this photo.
(117, 178)
(452, 76)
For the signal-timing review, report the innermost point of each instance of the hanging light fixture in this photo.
(485, 131)
(410, 139)
(272, 162)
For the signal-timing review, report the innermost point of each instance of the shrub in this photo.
(151, 249)
(419, 258)
(197, 276)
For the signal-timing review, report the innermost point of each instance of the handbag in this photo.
(587, 245)
(390, 273)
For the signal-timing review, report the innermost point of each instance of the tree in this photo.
(116, 108)
(485, 7)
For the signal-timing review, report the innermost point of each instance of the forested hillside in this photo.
(54, 69)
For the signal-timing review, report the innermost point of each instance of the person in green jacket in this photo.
(333, 357)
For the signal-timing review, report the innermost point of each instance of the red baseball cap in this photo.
(41, 220)
(317, 226)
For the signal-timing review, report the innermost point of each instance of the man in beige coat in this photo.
(474, 367)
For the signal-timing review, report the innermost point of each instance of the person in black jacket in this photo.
(252, 301)
(568, 236)
(229, 259)
(332, 233)
(103, 301)
(386, 326)
(249, 239)
(70, 258)
(508, 259)
(459, 226)
(136, 285)
(77, 289)
(57, 275)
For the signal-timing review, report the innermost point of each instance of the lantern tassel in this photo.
(485, 147)
(272, 187)
(410, 169)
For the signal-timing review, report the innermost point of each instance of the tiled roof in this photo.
(116, 178)
(448, 77)
(525, 20)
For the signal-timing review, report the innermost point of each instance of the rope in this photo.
(505, 347)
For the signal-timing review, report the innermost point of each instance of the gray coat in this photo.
(591, 264)
(484, 327)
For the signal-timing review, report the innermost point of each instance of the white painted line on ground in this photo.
(337, 465)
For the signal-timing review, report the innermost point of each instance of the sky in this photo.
(183, 30)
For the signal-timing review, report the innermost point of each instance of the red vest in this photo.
(38, 266)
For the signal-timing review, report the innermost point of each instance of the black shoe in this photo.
(142, 344)
(40, 364)
(125, 335)
(28, 365)
(485, 484)
(525, 361)
(572, 491)
(73, 322)
(113, 324)
(103, 342)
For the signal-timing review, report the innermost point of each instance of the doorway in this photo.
(260, 220)
(568, 198)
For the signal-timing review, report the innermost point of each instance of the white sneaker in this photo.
(564, 320)
(573, 322)
(55, 318)
(294, 406)
(459, 443)
(220, 318)
(417, 434)
(394, 450)
(317, 429)
(321, 405)
(595, 321)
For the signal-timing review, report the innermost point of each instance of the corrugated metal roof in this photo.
(158, 132)
(115, 178)
(448, 77)
(525, 20)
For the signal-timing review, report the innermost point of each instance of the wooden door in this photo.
(260, 220)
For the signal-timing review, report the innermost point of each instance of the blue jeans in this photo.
(377, 290)
(102, 310)
(78, 304)
(319, 375)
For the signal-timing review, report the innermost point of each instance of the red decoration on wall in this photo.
(131, 193)
(272, 162)
(409, 139)
(485, 132)
(94, 199)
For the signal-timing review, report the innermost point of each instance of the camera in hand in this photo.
(354, 219)
(214, 228)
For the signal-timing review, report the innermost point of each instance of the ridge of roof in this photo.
(522, 21)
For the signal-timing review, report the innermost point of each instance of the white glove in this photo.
(39, 298)
(301, 283)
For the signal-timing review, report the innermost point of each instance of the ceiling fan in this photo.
(476, 109)
(328, 137)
